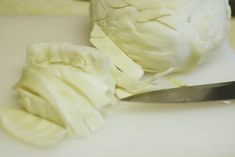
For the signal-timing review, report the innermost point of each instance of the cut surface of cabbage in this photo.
(29, 128)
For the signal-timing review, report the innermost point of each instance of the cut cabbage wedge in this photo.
(105, 45)
(75, 111)
(30, 128)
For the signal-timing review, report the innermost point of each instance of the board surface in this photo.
(133, 130)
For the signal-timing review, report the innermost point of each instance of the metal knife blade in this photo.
(208, 92)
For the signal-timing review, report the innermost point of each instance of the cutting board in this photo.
(132, 130)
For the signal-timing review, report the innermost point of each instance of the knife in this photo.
(199, 93)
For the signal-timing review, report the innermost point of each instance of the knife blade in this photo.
(199, 93)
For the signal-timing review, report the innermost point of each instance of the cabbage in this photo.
(82, 57)
(127, 73)
(118, 57)
(161, 34)
(30, 128)
(92, 87)
(35, 104)
(62, 85)
(73, 110)
(84, 68)
(64, 88)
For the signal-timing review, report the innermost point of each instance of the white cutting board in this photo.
(134, 130)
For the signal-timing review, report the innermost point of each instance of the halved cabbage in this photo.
(163, 34)
(30, 128)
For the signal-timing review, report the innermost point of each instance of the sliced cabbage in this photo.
(94, 88)
(35, 104)
(82, 57)
(128, 83)
(75, 111)
(85, 68)
(122, 93)
(101, 41)
(127, 86)
(30, 128)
